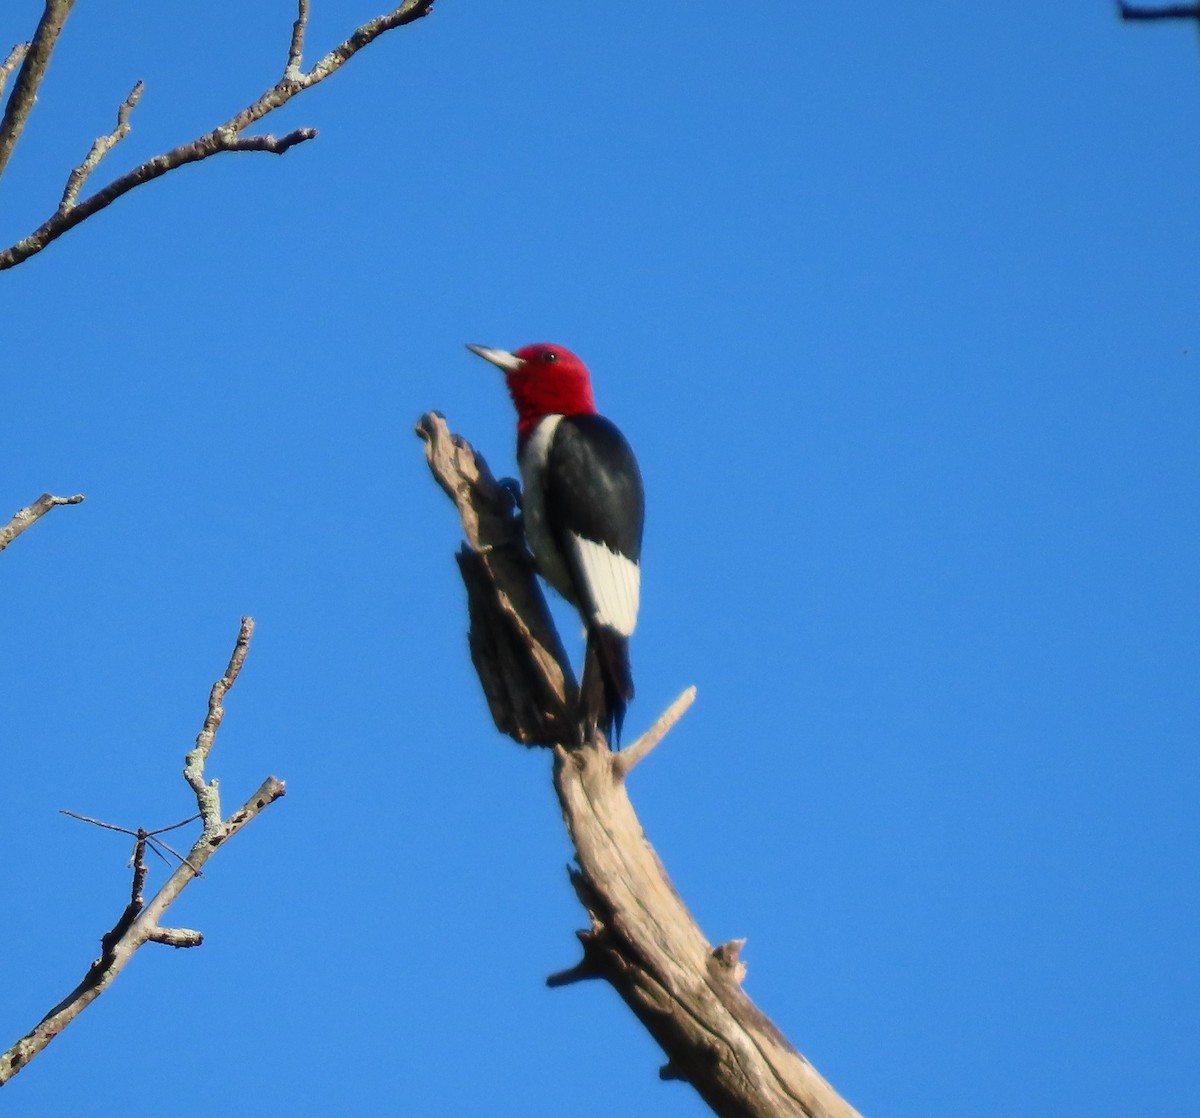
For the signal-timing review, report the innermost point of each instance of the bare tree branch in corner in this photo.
(641, 938)
(23, 518)
(139, 923)
(33, 57)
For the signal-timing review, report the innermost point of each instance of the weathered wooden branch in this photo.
(23, 518)
(642, 939)
(521, 662)
(139, 923)
(224, 138)
(627, 758)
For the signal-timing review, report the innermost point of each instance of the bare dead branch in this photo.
(363, 36)
(227, 137)
(207, 794)
(641, 938)
(588, 967)
(177, 937)
(296, 49)
(140, 871)
(515, 647)
(272, 144)
(139, 923)
(96, 822)
(144, 837)
(1169, 11)
(15, 56)
(33, 69)
(126, 830)
(23, 518)
(728, 956)
(100, 148)
(627, 758)
(582, 971)
(650, 949)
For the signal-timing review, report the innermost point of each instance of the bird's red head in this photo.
(542, 380)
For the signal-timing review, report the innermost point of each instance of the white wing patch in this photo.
(614, 582)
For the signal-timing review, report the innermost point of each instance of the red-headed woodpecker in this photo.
(583, 510)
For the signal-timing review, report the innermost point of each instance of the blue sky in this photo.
(899, 310)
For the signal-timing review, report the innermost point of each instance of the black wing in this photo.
(594, 486)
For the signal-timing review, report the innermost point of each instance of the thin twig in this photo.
(140, 870)
(33, 69)
(296, 49)
(226, 137)
(624, 761)
(587, 968)
(142, 835)
(408, 12)
(207, 794)
(177, 937)
(140, 924)
(15, 56)
(583, 971)
(126, 830)
(23, 518)
(101, 146)
(96, 822)
(276, 145)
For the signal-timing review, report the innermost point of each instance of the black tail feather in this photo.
(607, 683)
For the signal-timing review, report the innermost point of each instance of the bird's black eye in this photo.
(549, 357)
